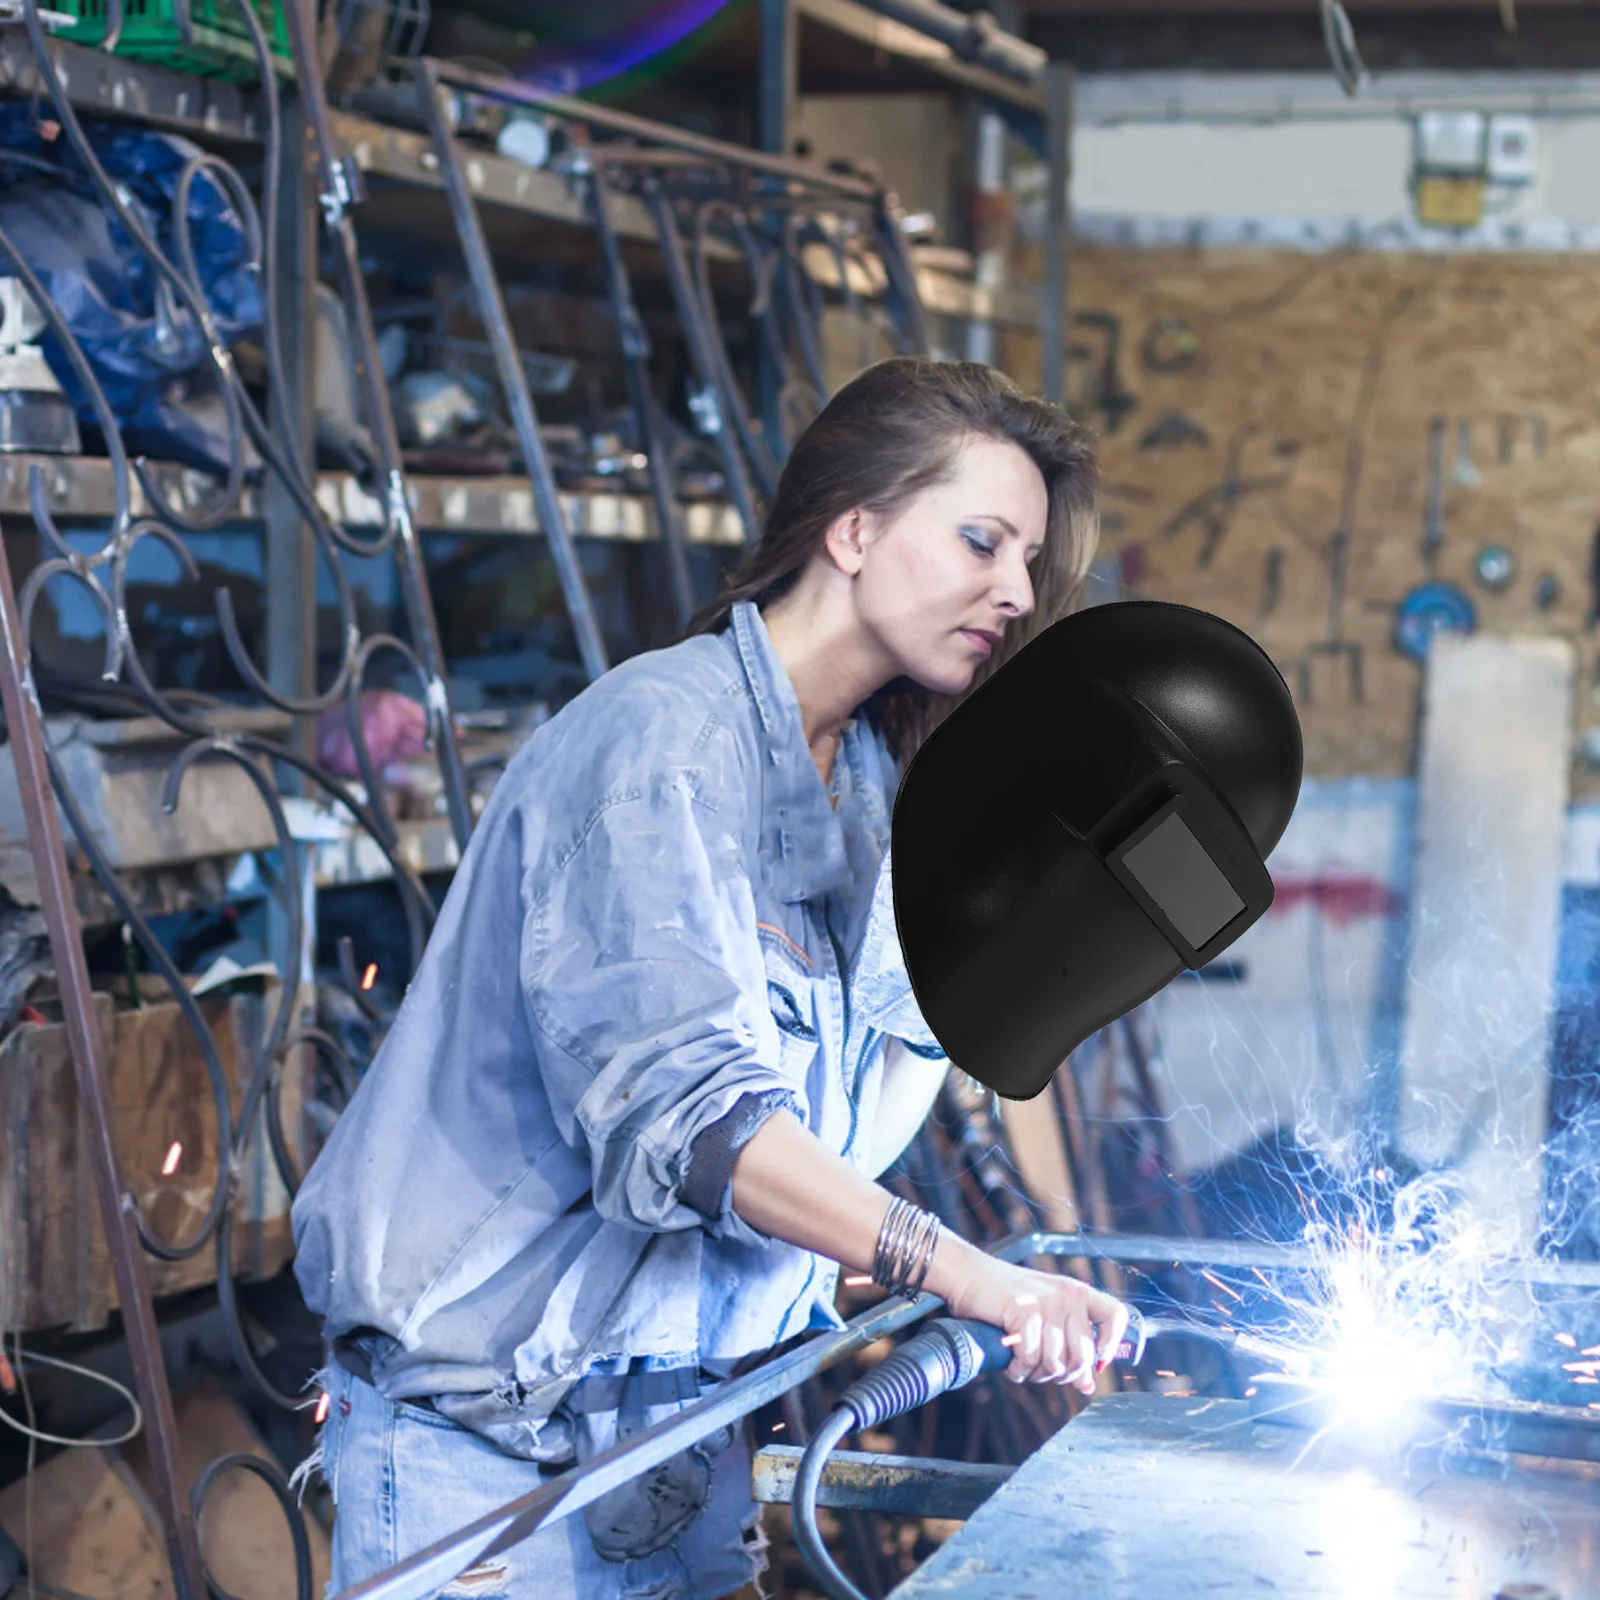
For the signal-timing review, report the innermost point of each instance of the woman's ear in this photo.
(846, 541)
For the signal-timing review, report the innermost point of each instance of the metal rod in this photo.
(337, 191)
(1161, 1250)
(1055, 292)
(712, 403)
(513, 379)
(973, 35)
(636, 363)
(419, 1576)
(24, 722)
(620, 122)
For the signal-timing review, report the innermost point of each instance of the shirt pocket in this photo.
(792, 1000)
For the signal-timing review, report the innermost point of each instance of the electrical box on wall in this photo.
(1512, 155)
(1450, 167)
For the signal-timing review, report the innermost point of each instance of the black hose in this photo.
(803, 1507)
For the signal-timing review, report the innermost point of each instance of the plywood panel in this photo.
(1486, 912)
(59, 1267)
(244, 1537)
(90, 1530)
(1317, 377)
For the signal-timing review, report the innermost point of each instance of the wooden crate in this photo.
(55, 1271)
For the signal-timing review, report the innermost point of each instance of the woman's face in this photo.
(954, 566)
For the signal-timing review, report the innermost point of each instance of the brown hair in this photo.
(886, 437)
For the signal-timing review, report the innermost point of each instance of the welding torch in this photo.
(946, 1354)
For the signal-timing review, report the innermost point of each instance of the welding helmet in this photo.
(1087, 824)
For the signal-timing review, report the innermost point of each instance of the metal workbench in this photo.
(1157, 1497)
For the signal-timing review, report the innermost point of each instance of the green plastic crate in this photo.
(222, 46)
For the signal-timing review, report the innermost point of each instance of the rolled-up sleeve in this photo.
(647, 993)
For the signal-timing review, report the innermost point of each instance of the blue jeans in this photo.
(402, 1477)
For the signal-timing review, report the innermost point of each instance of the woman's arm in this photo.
(789, 1185)
(911, 1084)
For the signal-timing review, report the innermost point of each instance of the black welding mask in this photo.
(1087, 824)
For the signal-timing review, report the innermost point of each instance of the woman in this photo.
(624, 1128)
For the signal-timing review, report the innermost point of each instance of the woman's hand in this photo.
(1063, 1330)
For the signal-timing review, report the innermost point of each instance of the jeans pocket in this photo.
(647, 1513)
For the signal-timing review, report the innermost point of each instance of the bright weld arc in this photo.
(369, 977)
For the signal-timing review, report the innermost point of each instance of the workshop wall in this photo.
(1268, 457)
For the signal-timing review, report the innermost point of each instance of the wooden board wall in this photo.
(1321, 373)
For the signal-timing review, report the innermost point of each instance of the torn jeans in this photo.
(402, 1477)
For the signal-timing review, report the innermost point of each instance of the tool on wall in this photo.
(1169, 344)
(1546, 592)
(1214, 509)
(1104, 390)
(1271, 583)
(1511, 423)
(1495, 567)
(1171, 430)
(1428, 609)
(1433, 504)
(1465, 472)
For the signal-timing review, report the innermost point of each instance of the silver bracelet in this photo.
(905, 1247)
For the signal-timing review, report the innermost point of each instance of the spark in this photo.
(174, 1156)
(1593, 1350)
(778, 1427)
(1161, 1374)
(857, 1280)
(324, 1400)
(370, 976)
(1213, 1279)
(1587, 1367)
(1012, 1339)
(1567, 1340)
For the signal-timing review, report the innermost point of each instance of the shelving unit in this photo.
(81, 487)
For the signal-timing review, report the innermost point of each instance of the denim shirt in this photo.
(661, 932)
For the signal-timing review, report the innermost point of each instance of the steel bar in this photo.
(712, 402)
(864, 1480)
(1162, 1251)
(620, 122)
(337, 193)
(636, 363)
(25, 726)
(421, 1575)
(1061, 84)
(974, 36)
(513, 379)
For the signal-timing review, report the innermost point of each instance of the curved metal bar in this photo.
(41, 575)
(233, 1321)
(224, 746)
(272, 1476)
(735, 406)
(328, 1048)
(370, 777)
(234, 191)
(175, 718)
(805, 305)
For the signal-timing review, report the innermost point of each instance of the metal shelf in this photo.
(212, 110)
(203, 108)
(81, 486)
